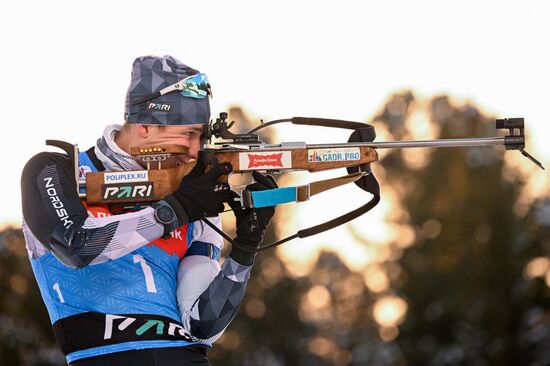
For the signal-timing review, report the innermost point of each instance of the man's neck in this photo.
(113, 149)
(122, 140)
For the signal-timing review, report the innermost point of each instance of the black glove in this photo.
(199, 193)
(252, 222)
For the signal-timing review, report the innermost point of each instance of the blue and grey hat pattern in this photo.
(150, 74)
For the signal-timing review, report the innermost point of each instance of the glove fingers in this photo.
(266, 180)
(235, 205)
(227, 194)
(273, 182)
(217, 210)
(217, 171)
(198, 169)
(221, 187)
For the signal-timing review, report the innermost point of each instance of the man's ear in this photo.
(142, 130)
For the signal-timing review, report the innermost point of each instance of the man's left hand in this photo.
(252, 222)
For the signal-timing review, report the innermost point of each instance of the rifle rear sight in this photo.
(220, 129)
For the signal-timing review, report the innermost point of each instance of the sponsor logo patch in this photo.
(159, 107)
(134, 328)
(57, 203)
(327, 155)
(118, 192)
(82, 170)
(265, 160)
(126, 177)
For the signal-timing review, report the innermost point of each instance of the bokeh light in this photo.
(389, 311)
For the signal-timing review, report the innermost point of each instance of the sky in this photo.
(65, 67)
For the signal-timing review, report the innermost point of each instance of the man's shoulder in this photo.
(44, 159)
(48, 157)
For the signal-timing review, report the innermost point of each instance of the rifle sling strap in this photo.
(370, 185)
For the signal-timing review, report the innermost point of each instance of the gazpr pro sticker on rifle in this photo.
(131, 190)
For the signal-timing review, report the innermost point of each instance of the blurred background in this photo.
(451, 268)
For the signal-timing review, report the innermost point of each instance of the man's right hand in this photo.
(252, 222)
(199, 193)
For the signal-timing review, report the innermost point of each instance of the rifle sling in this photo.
(324, 185)
(373, 188)
(371, 185)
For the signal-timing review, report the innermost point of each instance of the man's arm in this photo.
(208, 297)
(58, 219)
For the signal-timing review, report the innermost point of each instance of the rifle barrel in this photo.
(466, 142)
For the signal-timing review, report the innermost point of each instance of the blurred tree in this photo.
(463, 276)
(533, 289)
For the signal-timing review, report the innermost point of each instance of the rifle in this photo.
(132, 190)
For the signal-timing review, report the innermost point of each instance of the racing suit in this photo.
(109, 282)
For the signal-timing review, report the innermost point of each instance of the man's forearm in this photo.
(216, 307)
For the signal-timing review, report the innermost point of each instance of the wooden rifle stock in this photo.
(153, 184)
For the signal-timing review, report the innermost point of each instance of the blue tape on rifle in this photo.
(272, 197)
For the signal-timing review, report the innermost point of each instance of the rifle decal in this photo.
(321, 155)
(130, 192)
(265, 160)
(126, 177)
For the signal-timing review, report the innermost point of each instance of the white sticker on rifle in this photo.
(327, 155)
(126, 177)
(265, 160)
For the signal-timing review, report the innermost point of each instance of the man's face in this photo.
(188, 136)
